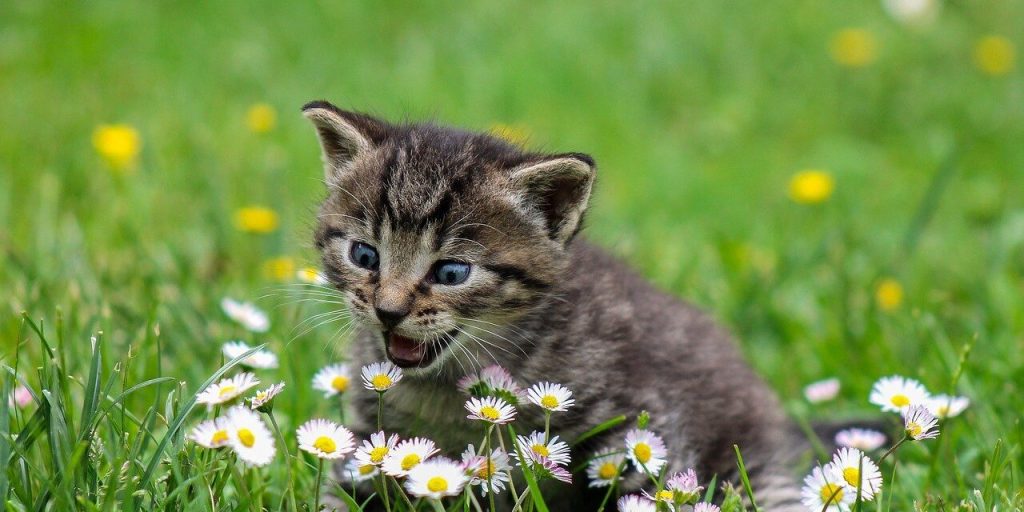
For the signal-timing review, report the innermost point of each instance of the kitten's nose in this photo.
(391, 317)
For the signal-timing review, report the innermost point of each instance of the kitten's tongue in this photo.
(405, 351)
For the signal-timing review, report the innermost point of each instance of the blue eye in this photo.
(364, 255)
(451, 273)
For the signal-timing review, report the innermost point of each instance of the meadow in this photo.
(839, 185)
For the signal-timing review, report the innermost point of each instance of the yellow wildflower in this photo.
(889, 294)
(261, 118)
(994, 55)
(853, 47)
(811, 186)
(256, 219)
(118, 144)
(281, 268)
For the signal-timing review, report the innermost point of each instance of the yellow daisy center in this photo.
(226, 390)
(340, 383)
(219, 437)
(246, 437)
(607, 471)
(852, 476)
(831, 493)
(381, 382)
(366, 470)
(377, 454)
(540, 450)
(943, 411)
(261, 396)
(900, 400)
(486, 469)
(409, 461)
(914, 429)
(549, 401)
(489, 412)
(665, 495)
(642, 452)
(325, 444)
(437, 484)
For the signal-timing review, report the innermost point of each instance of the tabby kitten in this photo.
(455, 250)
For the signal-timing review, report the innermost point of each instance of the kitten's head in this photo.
(436, 235)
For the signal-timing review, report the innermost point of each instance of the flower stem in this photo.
(290, 491)
(614, 484)
(489, 466)
(401, 493)
(384, 491)
(547, 425)
(319, 480)
(893, 449)
(437, 505)
(380, 411)
(511, 483)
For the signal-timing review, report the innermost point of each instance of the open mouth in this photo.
(411, 353)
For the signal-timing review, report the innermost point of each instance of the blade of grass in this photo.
(612, 423)
(531, 480)
(744, 478)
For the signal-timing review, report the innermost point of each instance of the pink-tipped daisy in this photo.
(823, 486)
(635, 503)
(374, 450)
(435, 479)
(860, 438)
(407, 455)
(685, 485)
(603, 468)
(332, 379)
(251, 317)
(822, 390)
(857, 470)
(646, 450)
(706, 507)
(381, 377)
(920, 424)
(896, 394)
(263, 400)
(490, 409)
(945, 406)
(550, 396)
(480, 469)
(534, 448)
(211, 433)
(492, 381)
(356, 472)
(262, 359)
(227, 389)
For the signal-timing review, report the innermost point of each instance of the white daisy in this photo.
(534, 448)
(262, 400)
(373, 451)
(645, 449)
(310, 275)
(685, 485)
(706, 507)
(250, 437)
(490, 409)
(824, 486)
(227, 389)
(407, 455)
(493, 381)
(912, 11)
(857, 469)
(603, 468)
(896, 393)
(919, 424)
(211, 433)
(479, 469)
(380, 377)
(550, 396)
(635, 503)
(332, 379)
(356, 472)
(251, 317)
(262, 359)
(860, 438)
(945, 406)
(436, 479)
(822, 390)
(664, 495)
(325, 439)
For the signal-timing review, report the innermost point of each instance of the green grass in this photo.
(698, 114)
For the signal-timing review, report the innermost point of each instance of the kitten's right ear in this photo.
(343, 136)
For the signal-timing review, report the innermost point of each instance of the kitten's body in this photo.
(543, 304)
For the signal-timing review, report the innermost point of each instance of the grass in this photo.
(698, 114)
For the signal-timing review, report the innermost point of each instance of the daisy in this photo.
(380, 377)
(356, 472)
(227, 389)
(919, 424)
(603, 469)
(897, 393)
(857, 470)
(945, 406)
(824, 486)
(262, 359)
(250, 437)
(534, 448)
(332, 379)
(407, 455)
(211, 433)
(552, 397)
(664, 496)
(374, 451)
(325, 439)
(436, 479)
(251, 317)
(480, 469)
(646, 450)
(546, 468)
(860, 438)
(310, 275)
(822, 390)
(706, 507)
(635, 503)
(491, 409)
(492, 381)
(262, 400)
(684, 484)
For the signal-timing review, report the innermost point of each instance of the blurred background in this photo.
(839, 181)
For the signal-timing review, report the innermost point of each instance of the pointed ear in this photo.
(559, 187)
(343, 136)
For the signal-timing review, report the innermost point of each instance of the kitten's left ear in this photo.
(343, 136)
(559, 186)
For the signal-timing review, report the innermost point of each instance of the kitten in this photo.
(456, 250)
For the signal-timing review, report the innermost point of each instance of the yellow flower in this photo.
(256, 219)
(811, 186)
(889, 294)
(281, 268)
(853, 47)
(261, 118)
(118, 144)
(994, 55)
(515, 133)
